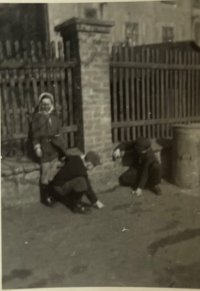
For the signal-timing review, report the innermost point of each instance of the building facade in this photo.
(135, 22)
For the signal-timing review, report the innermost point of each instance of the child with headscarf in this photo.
(48, 143)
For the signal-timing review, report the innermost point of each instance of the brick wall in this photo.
(90, 46)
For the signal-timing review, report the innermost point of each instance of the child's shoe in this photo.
(156, 190)
(99, 204)
(81, 209)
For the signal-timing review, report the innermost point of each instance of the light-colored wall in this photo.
(151, 16)
(195, 19)
(59, 13)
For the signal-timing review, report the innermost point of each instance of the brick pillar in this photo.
(89, 41)
(90, 47)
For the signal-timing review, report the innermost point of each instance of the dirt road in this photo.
(144, 241)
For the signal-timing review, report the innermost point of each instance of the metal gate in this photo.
(151, 90)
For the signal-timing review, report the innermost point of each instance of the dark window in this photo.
(168, 34)
(91, 13)
(197, 33)
(23, 22)
(196, 3)
(132, 33)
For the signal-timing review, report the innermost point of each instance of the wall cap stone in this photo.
(90, 22)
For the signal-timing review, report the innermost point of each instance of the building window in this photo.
(132, 33)
(196, 4)
(197, 33)
(168, 34)
(24, 22)
(91, 13)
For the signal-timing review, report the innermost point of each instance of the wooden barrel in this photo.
(186, 155)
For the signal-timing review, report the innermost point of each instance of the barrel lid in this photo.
(188, 126)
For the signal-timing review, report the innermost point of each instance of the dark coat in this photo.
(140, 162)
(46, 132)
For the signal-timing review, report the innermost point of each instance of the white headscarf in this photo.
(48, 95)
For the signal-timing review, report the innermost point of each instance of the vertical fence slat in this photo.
(132, 87)
(5, 99)
(3, 113)
(13, 101)
(2, 57)
(70, 98)
(138, 99)
(25, 53)
(47, 51)
(172, 91)
(49, 70)
(167, 101)
(52, 51)
(143, 95)
(162, 108)
(39, 51)
(7, 105)
(114, 93)
(189, 87)
(184, 85)
(176, 85)
(148, 107)
(62, 90)
(55, 85)
(193, 84)
(22, 101)
(17, 51)
(8, 49)
(197, 88)
(157, 94)
(127, 78)
(4, 105)
(121, 95)
(153, 93)
(180, 87)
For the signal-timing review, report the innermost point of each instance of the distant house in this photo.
(136, 23)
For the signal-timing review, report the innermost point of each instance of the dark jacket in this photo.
(73, 168)
(46, 132)
(139, 161)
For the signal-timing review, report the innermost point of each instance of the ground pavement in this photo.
(144, 241)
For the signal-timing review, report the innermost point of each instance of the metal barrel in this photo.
(186, 155)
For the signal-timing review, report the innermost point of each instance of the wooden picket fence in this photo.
(27, 70)
(151, 90)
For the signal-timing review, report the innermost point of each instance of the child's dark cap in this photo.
(143, 143)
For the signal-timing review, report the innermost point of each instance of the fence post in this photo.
(89, 46)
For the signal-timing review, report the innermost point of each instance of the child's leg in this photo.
(154, 177)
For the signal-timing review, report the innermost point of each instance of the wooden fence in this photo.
(27, 70)
(151, 90)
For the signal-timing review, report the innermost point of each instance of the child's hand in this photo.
(138, 192)
(117, 154)
(38, 153)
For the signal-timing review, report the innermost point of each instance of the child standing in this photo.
(47, 143)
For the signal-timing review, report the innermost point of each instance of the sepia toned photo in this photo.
(100, 144)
